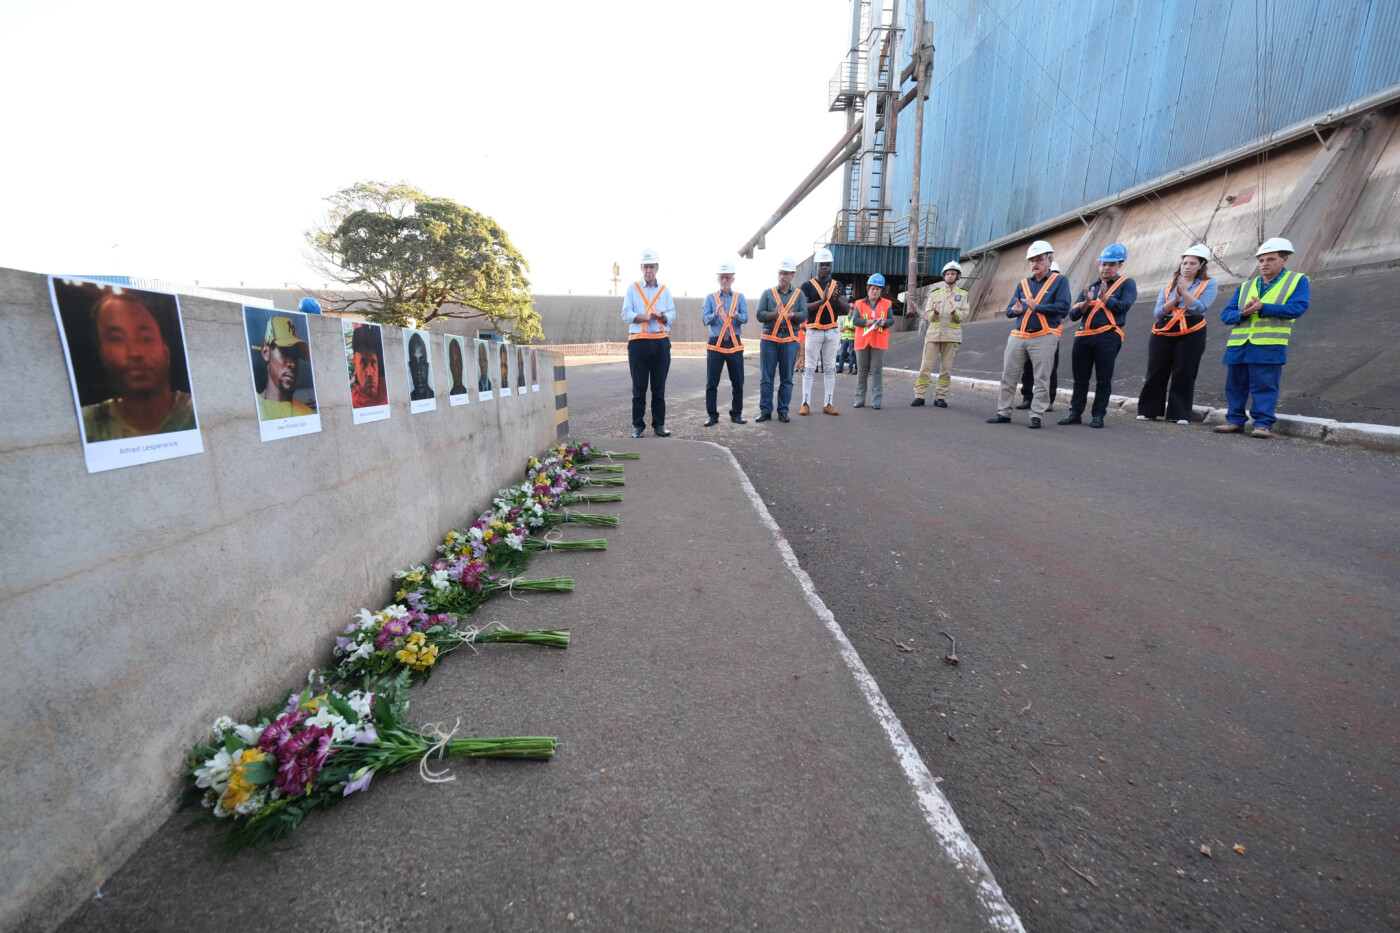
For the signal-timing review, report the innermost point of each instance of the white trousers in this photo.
(821, 344)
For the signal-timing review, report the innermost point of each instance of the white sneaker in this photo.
(1183, 421)
(1142, 417)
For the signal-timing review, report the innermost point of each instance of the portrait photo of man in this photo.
(420, 371)
(520, 370)
(127, 365)
(364, 359)
(534, 370)
(504, 352)
(283, 387)
(457, 393)
(483, 369)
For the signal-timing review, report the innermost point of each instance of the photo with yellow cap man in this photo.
(280, 355)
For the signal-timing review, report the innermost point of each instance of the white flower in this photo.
(367, 619)
(441, 578)
(253, 804)
(221, 726)
(393, 612)
(363, 650)
(362, 703)
(514, 540)
(249, 734)
(215, 772)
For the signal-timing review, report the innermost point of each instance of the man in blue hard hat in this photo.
(1103, 306)
(1262, 309)
(1038, 305)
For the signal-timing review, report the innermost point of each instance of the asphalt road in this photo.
(1167, 640)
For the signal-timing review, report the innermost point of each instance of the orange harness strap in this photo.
(1097, 305)
(1045, 328)
(650, 307)
(814, 319)
(1175, 326)
(783, 319)
(727, 327)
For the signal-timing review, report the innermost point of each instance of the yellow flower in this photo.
(407, 655)
(239, 789)
(399, 596)
(426, 658)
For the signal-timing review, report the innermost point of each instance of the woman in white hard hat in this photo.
(1178, 340)
(944, 311)
(872, 319)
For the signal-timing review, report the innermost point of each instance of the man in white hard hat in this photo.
(1038, 305)
(649, 311)
(945, 309)
(825, 303)
(781, 311)
(724, 313)
(1262, 309)
(1028, 373)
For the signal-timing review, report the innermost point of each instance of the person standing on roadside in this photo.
(1103, 306)
(649, 311)
(945, 309)
(846, 356)
(825, 302)
(1262, 309)
(1028, 373)
(724, 313)
(1178, 340)
(1039, 304)
(781, 311)
(872, 318)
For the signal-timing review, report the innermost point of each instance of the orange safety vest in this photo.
(1175, 326)
(814, 318)
(727, 328)
(1020, 330)
(650, 306)
(1087, 329)
(783, 319)
(878, 337)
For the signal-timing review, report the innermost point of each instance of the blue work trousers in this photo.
(780, 358)
(846, 355)
(1260, 380)
(717, 363)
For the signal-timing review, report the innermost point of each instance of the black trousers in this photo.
(1095, 354)
(715, 364)
(1177, 359)
(1028, 378)
(650, 361)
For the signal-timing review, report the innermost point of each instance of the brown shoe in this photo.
(806, 409)
(1049, 407)
(1228, 428)
(1024, 405)
(831, 410)
(1261, 432)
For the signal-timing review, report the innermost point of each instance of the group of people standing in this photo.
(818, 315)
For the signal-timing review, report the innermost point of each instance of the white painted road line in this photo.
(938, 812)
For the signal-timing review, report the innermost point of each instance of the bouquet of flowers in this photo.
(583, 452)
(265, 777)
(457, 587)
(527, 503)
(376, 643)
(496, 541)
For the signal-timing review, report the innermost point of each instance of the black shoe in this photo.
(764, 416)
(661, 431)
(1025, 404)
(783, 417)
(638, 432)
(711, 421)
(939, 403)
(916, 403)
(737, 420)
(1096, 421)
(1071, 418)
(1033, 423)
(998, 419)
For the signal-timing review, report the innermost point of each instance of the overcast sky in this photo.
(196, 141)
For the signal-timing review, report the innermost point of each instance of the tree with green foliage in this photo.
(416, 258)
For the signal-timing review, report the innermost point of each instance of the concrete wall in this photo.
(574, 319)
(140, 603)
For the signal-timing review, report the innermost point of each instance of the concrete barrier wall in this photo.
(141, 603)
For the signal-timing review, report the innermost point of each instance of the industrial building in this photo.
(978, 125)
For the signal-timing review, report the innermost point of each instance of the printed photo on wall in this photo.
(484, 369)
(125, 349)
(520, 388)
(421, 396)
(457, 392)
(534, 370)
(283, 388)
(364, 364)
(503, 351)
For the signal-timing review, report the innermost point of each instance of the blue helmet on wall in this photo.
(309, 306)
(877, 279)
(1114, 252)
